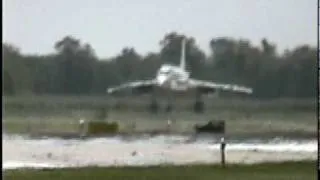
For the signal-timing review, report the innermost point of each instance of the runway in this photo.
(20, 152)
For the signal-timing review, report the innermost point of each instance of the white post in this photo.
(83, 128)
(169, 125)
(222, 150)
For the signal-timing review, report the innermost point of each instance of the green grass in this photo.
(60, 114)
(305, 170)
(139, 103)
(260, 124)
(296, 124)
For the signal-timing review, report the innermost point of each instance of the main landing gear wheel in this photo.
(198, 107)
(169, 108)
(154, 107)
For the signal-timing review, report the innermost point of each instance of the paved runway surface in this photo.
(21, 151)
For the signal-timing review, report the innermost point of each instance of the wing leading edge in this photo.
(212, 86)
(206, 86)
(142, 85)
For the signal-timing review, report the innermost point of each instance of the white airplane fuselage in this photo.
(172, 77)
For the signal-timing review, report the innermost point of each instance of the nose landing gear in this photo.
(155, 106)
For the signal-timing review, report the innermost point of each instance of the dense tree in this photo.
(8, 84)
(149, 65)
(17, 74)
(127, 63)
(75, 65)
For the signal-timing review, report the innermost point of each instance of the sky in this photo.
(110, 25)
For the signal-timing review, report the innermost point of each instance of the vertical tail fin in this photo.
(182, 56)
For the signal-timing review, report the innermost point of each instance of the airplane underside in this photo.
(170, 94)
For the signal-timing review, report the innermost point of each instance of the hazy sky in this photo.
(110, 25)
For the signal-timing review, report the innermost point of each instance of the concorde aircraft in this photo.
(177, 78)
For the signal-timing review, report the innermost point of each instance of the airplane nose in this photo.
(161, 79)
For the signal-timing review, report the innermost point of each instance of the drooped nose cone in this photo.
(161, 79)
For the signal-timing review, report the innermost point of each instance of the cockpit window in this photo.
(165, 69)
(163, 72)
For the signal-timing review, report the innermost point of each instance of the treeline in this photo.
(74, 69)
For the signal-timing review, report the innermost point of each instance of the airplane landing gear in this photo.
(198, 106)
(154, 106)
(169, 108)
